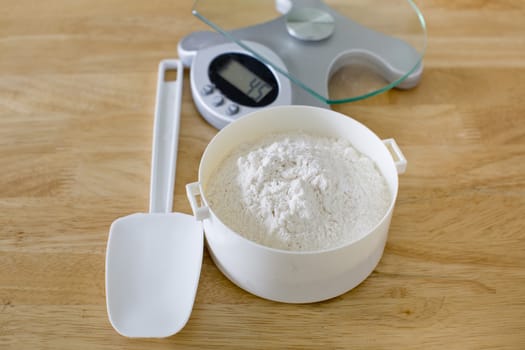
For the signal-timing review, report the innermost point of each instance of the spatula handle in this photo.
(165, 137)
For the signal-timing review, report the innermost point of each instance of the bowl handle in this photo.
(192, 191)
(399, 159)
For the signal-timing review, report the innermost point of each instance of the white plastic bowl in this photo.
(292, 276)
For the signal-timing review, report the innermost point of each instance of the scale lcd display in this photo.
(245, 80)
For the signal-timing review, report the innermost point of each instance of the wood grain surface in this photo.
(77, 88)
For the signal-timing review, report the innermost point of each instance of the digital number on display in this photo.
(245, 80)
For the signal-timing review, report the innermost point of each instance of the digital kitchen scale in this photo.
(307, 52)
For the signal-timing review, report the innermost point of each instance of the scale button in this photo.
(217, 100)
(207, 89)
(232, 109)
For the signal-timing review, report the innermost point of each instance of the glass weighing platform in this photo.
(261, 53)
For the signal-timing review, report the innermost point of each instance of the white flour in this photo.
(295, 191)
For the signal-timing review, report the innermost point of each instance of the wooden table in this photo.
(77, 87)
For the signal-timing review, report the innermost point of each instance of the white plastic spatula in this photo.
(153, 260)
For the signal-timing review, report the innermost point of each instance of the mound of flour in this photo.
(294, 191)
